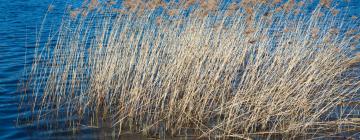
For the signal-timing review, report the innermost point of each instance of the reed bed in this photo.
(201, 68)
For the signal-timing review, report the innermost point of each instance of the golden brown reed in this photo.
(228, 76)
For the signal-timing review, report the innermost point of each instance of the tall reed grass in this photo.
(205, 68)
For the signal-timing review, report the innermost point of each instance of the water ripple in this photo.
(19, 21)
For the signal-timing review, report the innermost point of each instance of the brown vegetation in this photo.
(215, 75)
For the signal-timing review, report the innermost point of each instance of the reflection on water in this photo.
(19, 22)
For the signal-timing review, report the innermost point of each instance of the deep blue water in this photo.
(20, 21)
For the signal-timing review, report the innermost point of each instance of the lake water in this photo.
(19, 22)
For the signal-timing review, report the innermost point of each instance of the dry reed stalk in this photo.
(228, 76)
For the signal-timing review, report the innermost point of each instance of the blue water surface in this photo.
(20, 23)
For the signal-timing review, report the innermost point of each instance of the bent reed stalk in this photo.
(209, 68)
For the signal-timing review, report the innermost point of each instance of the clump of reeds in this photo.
(206, 68)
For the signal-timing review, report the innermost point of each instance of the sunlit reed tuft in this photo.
(202, 68)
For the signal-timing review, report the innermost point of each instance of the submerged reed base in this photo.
(202, 68)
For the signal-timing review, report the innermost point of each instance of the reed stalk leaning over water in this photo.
(209, 68)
